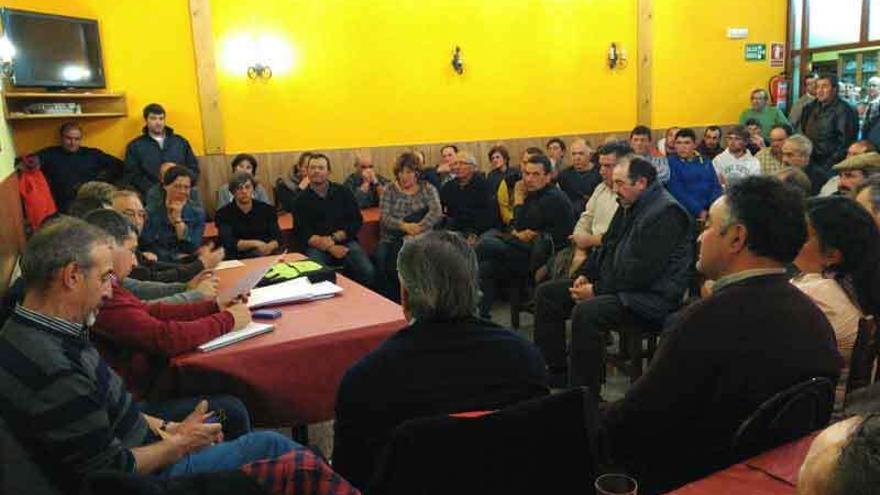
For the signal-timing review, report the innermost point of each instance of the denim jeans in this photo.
(232, 454)
(236, 420)
(356, 264)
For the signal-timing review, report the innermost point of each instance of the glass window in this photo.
(874, 20)
(834, 22)
(795, 78)
(797, 12)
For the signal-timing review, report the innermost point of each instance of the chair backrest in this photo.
(864, 355)
(19, 473)
(544, 445)
(786, 416)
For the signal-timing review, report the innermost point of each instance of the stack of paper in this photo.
(296, 290)
(253, 329)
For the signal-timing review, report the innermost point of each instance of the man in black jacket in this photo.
(158, 144)
(70, 165)
(723, 356)
(327, 223)
(542, 221)
(640, 270)
(445, 361)
(468, 203)
(830, 123)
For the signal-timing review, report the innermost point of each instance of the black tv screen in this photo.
(54, 51)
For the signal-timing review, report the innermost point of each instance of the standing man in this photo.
(770, 157)
(736, 161)
(830, 123)
(710, 146)
(872, 113)
(808, 97)
(158, 144)
(327, 223)
(767, 115)
(70, 164)
(580, 179)
(366, 185)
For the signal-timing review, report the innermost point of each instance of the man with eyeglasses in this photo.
(175, 225)
(366, 185)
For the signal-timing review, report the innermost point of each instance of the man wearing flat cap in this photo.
(855, 170)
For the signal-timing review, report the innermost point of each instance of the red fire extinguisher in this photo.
(779, 91)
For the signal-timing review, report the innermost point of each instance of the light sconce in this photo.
(259, 71)
(616, 57)
(457, 62)
(7, 55)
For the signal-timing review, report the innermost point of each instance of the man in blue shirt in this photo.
(692, 178)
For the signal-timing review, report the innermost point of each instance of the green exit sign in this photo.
(756, 52)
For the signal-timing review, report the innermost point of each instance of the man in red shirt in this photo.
(137, 338)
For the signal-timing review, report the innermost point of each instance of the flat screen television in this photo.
(54, 51)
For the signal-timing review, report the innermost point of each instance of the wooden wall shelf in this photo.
(92, 105)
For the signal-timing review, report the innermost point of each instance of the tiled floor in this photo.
(321, 434)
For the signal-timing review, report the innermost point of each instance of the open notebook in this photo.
(252, 330)
(296, 290)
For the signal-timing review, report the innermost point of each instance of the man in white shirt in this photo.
(736, 162)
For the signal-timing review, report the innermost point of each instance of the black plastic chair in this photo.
(544, 445)
(787, 416)
(631, 352)
(864, 356)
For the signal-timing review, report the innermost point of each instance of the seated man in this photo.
(366, 185)
(640, 270)
(157, 191)
(442, 173)
(158, 144)
(796, 152)
(65, 405)
(736, 161)
(248, 228)
(723, 356)
(831, 186)
(855, 170)
(71, 164)
(692, 178)
(596, 216)
(242, 162)
(149, 268)
(467, 201)
(556, 153)
(770, 157)
(138, 338)
(542, 210)
(174, 225)
(327, 223)
(710, 146)
(640, 141)
(756, 141)
(580, 179)
(842, 460)
(445, 361)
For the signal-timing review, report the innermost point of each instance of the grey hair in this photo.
(439, 272)
(803, 143)
(96, 189)
(58, 243)
(239, 179)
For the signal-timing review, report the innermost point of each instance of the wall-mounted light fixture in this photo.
(259, 58)
(616, 57)
(7, 55)
(457, 62)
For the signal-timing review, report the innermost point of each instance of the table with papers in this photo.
(289, 376)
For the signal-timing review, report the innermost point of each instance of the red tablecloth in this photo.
(772, 473)
(368, 236)
(290, 376)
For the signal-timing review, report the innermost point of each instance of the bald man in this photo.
(365, 183)
(843, 460)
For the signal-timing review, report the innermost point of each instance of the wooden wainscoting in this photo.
(216, 170)
(11, 229)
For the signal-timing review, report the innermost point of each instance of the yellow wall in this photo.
(700, 76)
(378, 72)
(7, 150)
(148, 54)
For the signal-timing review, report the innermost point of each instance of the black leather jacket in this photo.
(832, 127)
